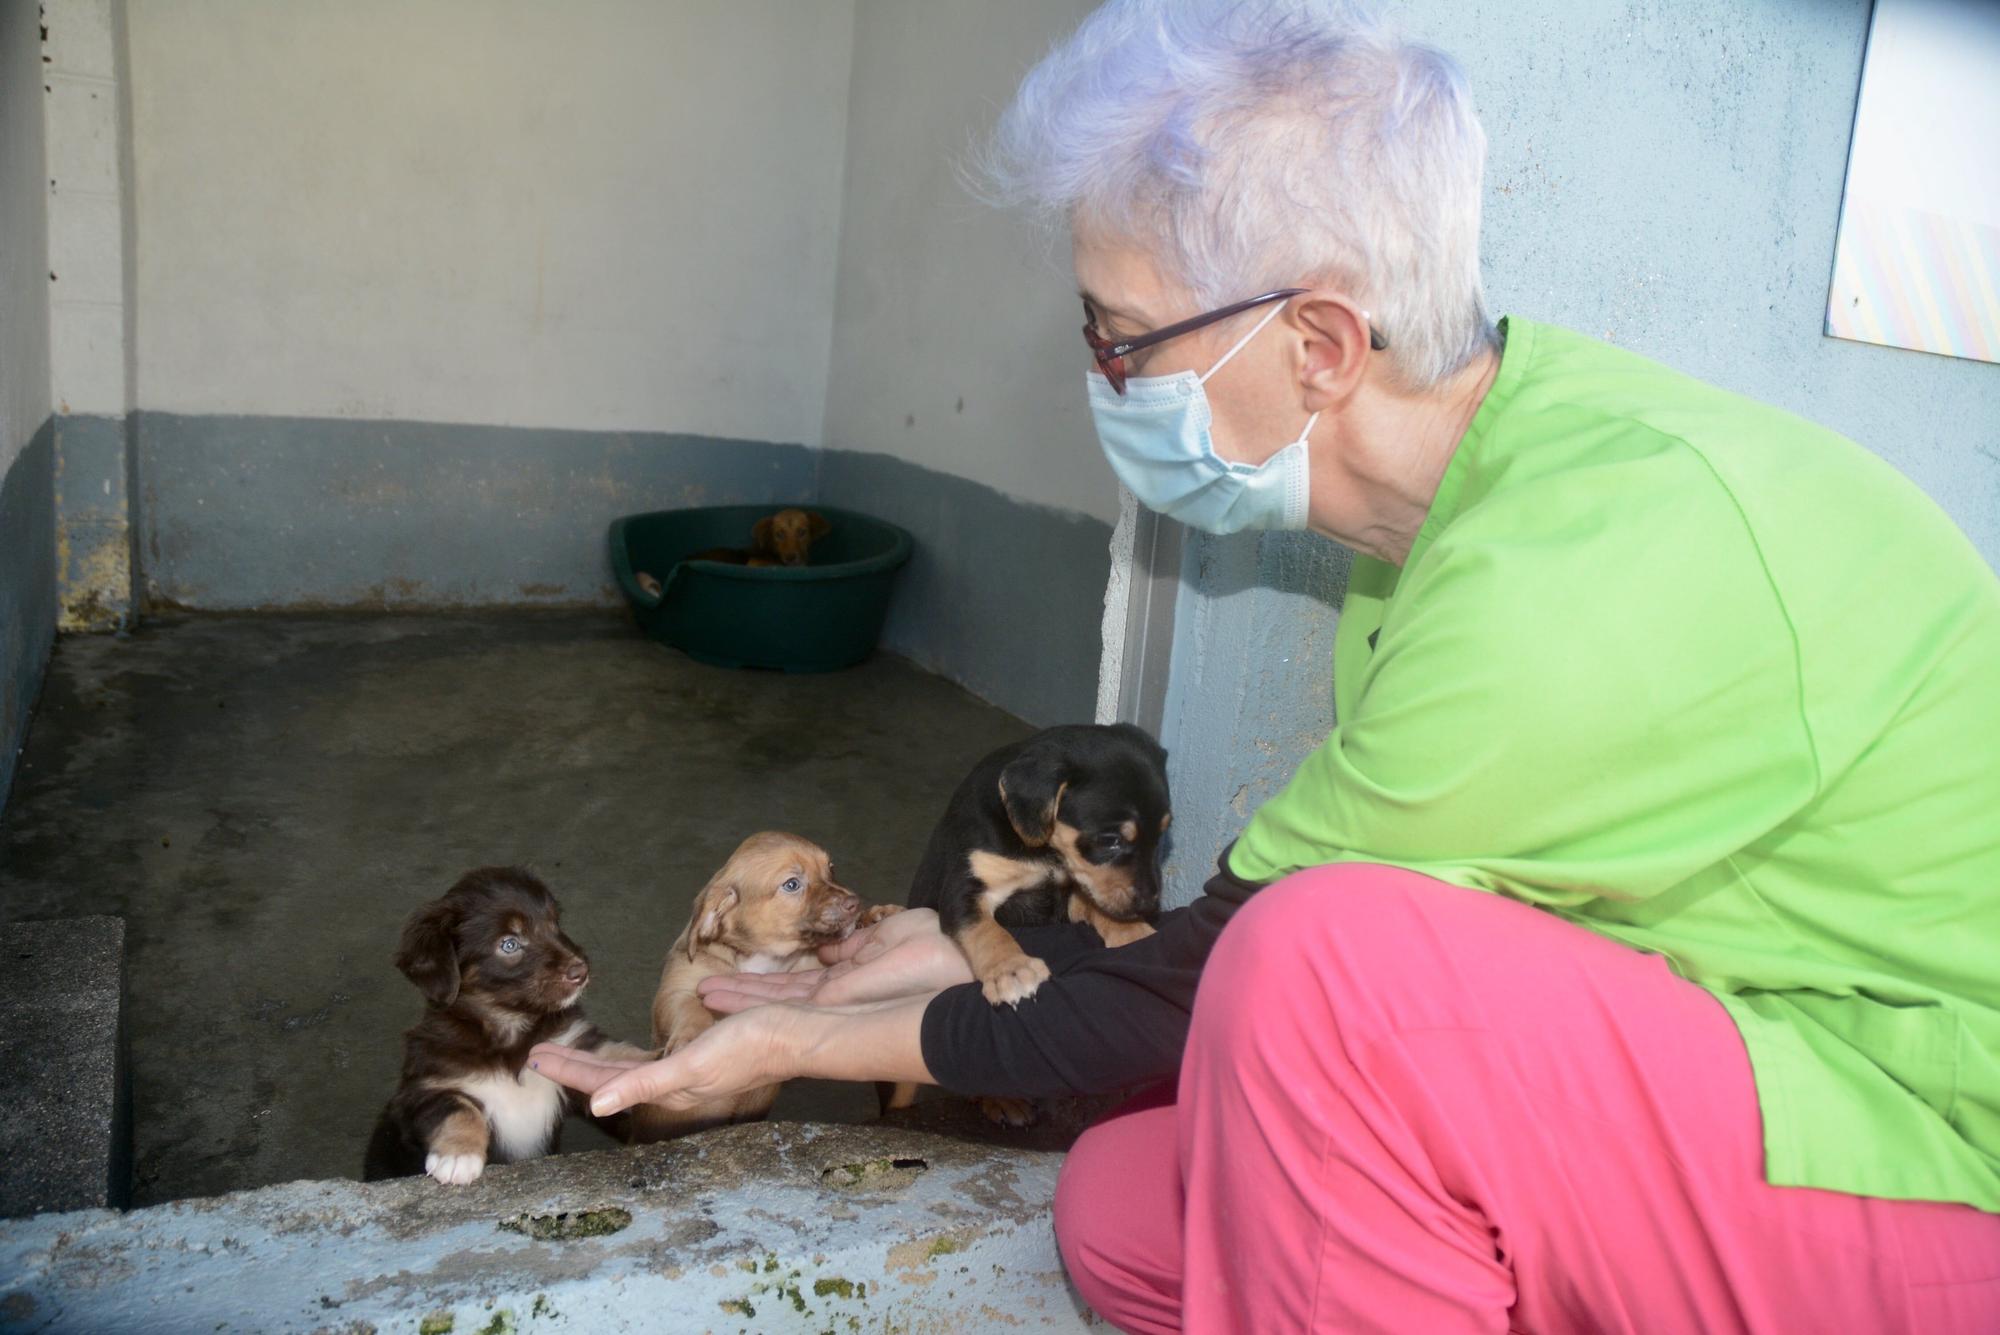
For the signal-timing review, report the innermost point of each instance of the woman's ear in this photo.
(1337, 347)
(428, 955)
(1031, 789)
(713, 908)
(819, 524)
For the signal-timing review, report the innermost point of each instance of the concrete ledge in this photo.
(779, 1227)
(64, 1105)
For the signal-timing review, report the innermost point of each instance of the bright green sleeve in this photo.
(1576, 693)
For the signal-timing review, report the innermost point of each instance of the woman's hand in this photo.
(728, 1058)
(766, 1045)
(901, 956)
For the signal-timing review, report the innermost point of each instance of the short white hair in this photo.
(1249, 145)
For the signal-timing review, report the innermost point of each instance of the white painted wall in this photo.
(619, 214)
(24, 242)
(955, 342)
(86, 185)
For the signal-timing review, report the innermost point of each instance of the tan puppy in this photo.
(787, 537)
(767, 911)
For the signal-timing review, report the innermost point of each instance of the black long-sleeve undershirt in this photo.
(1105, 1020)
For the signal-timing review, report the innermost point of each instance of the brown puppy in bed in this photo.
(766, 911)
(498, 976)
(782, 539)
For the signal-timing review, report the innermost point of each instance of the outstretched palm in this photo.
(904, 955)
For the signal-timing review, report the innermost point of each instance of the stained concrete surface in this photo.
(805, 1228)
(67, 1132)
(264, 799)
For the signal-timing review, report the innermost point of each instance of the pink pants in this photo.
(1411, 1107)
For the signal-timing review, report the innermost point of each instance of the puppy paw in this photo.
(1014, 981)
(455, 1170)
(1007, 1112)
(877, 912)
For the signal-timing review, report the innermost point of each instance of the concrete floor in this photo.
(264, 799)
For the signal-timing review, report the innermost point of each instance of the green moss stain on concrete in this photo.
(843, 1288)
(873, 1174)
(437, 1323)
(568, 1225)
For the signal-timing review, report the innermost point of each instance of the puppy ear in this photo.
(1031, 788)
(712, 910)
(428, 955)
(819, 524)
(760, 533)
(1144, 740)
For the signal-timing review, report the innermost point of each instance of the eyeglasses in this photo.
(1111, 356)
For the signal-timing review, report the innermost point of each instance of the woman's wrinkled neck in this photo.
(1394, 450)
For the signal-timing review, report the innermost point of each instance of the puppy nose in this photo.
(577, 972)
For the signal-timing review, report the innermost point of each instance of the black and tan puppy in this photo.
(1066, 824)
(768, 909)
(498, 976)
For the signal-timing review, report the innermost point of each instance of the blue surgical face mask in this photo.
(1157, 439)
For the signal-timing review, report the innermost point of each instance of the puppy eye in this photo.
(510, 945)
(792, 886)
(1110, 839)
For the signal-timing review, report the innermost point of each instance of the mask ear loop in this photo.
(1257, 329)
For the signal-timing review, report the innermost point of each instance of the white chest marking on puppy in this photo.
(523, 1111)
(765, 962)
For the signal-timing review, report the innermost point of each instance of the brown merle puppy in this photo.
(1064, 825)
(498, 976)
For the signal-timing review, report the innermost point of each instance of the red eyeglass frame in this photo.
(1111, 356)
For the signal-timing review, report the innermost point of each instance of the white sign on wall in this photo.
(1917, 257)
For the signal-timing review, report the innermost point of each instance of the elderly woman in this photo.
(1629, 955)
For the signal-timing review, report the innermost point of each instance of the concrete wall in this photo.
(956, 405)
(90, 309)
(425, 295)
(245, 513)
(618, 215)
(1666, 175)
(27, 496)
(24, 241)
(371, 305)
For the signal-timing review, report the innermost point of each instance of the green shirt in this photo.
(1715, 682)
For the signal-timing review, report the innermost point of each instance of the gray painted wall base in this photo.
(1002, 596)
(95, 579)
(27, 589)
(777, 1228)
(243, 513)
(258, 513)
